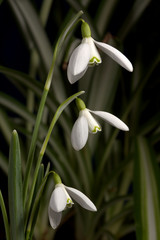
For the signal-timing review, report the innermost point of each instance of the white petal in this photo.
(54, 218)
(79, 134)
(94, 54)
(79, 61)
(115, 55)
(113, 120)
(93, 125)
(74, 78)
(82, 199)
(58, 199)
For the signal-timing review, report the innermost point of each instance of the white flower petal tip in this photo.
(111, 119)
(54, 218)
(74, 78)
(116, 55)
(79, 134)
(81, 199)
(78, 62)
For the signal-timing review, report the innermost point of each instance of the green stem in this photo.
(43, 148)
(60, 41)
(33, 142)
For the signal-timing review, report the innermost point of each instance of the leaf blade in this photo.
(146, 192)
(15, 190)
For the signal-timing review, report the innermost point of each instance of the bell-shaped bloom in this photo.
(86, 54)
(87, 123)
(60, 200)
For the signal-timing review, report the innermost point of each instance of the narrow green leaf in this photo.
(104, 12)
(37, 187)
(146, 192)
(36, 31)
(15, 190)
(5, 125)
(5, 217)
(60, 41)
(133, 16)
(4, 163)
(36, 205)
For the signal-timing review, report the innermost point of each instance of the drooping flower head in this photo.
(86, 54)
(86, 124)
(60, 200)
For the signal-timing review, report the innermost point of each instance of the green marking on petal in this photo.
(96, 128)
(94, 60)
(69, 203)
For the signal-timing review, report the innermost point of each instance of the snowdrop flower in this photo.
(86, 54)
(60, 200)
(87, 123)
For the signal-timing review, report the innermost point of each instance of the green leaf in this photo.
(60, 41)
(24, 11)
(146, 192)
(133, 16)
(37, 187)
(103, 15)
(36, 205)
(5, 217)
(15, 190)
(4, 163)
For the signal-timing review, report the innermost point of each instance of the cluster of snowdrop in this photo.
(85, 55)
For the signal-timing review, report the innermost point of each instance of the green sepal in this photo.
(85, 30)
(15, 195)
(80, 104)
(57, 179)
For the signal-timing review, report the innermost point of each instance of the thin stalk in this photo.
(34, 138)
(62, 37)
(44, 145)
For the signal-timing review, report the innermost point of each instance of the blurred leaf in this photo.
(135, 13)
(35, 29)
(5, 125)
(4, 163)
(103, 15)
(5, 217)
(15, 190)
(59, 43)
(38, 185)
(21, 22)
(146, 192)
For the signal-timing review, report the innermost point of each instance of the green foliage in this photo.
(15, 194)
(32, 99)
